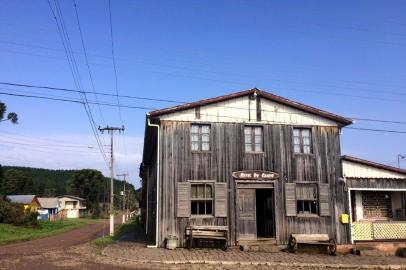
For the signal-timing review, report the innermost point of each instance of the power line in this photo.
(74, 70)
(233, 117)
(378, 130)
(235, 74)
(86, 58)
(114, 61)
(175, 101)
(36, 143)
(115, 75)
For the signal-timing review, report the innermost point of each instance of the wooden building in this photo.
(377, 200)
(262, 165)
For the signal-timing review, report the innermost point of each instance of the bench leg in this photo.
(224, 246)
(292, 245)
(190, 242)
(332, 248)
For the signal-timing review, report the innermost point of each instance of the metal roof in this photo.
(24, 199)
(48, 202)
(72, 197)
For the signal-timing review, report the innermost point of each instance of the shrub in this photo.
(7, 212)
(13, 213)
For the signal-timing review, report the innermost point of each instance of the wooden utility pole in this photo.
(111, 130)
(124, 212)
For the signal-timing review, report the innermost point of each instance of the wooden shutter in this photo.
(220, 204)
(290, 199)
(324, 197)
(183, 201)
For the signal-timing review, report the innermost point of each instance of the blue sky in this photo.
(321, 53)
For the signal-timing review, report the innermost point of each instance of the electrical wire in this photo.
(177, 102)
(224, 116)
(87, 60)
(74, 70)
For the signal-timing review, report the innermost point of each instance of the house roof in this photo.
(373, 164)
(24, 199)
(340, 119)
(48, 202)
(72, 197)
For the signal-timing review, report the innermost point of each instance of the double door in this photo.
(255, 213)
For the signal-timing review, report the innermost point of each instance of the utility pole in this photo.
(124, 212)
(128, 204)
(111, 130)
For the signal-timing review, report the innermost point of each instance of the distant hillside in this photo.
(48, 182)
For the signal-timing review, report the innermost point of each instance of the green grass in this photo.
(100, 243)
(10, 233)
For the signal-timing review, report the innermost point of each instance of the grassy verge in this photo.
(10, 233)
(100, 243)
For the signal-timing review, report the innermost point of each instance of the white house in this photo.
(71, 206)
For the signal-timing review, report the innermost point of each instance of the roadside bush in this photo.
(7, 212)
(13, 213)
(30, 219)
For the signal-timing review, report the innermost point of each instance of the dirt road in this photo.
(54, 252)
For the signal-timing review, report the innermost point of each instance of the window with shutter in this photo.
(220, 200)
(183, 200)
(201, 200)
(290, 199)
(306, 199)
(324, 197)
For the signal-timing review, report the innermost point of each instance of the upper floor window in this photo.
(302, 138)
(253, 139)
(200, 137)
(201, 199)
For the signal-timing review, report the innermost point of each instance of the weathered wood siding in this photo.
(179, 164)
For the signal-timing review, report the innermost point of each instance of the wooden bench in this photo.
(312, 239)
(207, 232)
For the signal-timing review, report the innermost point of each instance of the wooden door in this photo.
(246, 214)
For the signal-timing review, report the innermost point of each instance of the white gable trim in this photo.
(243, 110)
(356, 170)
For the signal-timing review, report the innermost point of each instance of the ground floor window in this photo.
(201, 199)
(376, 205)
(306, 199)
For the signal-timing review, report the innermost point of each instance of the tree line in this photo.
(89, 184)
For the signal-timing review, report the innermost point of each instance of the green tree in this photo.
(1, 181)
(15, 182)
(12, 116)
(87, 183)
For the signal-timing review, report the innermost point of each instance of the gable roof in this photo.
(24, 199)
(72, 197)
(278, 99)
(48, 202)
(373, 164)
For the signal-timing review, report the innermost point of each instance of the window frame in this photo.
(316, 200)
(252, 136)
(301, 140)
(212, 199)
(200, 137)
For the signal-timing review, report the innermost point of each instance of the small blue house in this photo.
(48, 208)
